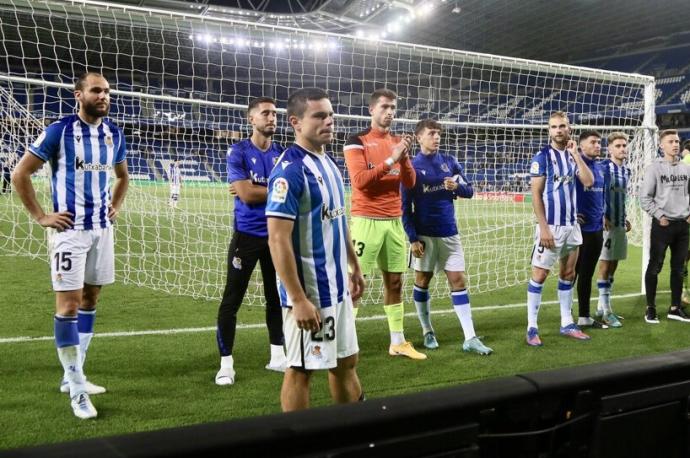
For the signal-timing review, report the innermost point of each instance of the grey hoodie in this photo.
(665, 190)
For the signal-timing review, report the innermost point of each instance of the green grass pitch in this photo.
(165, 379)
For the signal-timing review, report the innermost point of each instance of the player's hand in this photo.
(450, 184)
(571, 147)
(59, 220)
(401, 149)
(628, 226)
(232, 190)
(306, 315)
(112, 213)
(663, 221)
(581, 218)
(417, 249)
(607, 224)
(356, 285)
(546, 238)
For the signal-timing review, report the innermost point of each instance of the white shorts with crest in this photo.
(566, 240)
(336, 339)
(81, 256)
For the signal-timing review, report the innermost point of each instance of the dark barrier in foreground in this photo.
(630, 408)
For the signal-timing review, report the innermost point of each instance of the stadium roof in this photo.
(552, 30)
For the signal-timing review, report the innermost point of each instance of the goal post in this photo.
(180, 86)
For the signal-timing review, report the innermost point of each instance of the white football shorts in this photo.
(81, 256)
(566, 238)
(615, 246)
(440, 253)
(336, 339)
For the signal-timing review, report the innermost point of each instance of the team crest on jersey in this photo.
(284, 164)
(423, 172)
(78, 138)
(320, 180)
(444, 167)
(370, 166)
(253, 160)
(534, 169)
(280, 190)
(109, 140)
(237, 263)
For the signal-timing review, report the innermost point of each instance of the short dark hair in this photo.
(427, 123)
(667, 132)
(589, 133)
(686, 145)
(255, 102)
(297, 102)
(381, 92)
(79, 83)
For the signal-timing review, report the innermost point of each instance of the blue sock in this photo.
(66, 333)
(85, 320)
(421, 303)
(67, 343)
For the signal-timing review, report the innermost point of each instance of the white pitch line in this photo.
(155, 332)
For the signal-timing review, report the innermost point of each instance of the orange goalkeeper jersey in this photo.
(375, 185)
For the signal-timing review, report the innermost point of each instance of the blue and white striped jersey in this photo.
(307, 188)
(175, 176)
(82, 157)
(560, 197)
(615, 187)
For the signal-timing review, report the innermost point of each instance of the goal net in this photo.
(181, 84)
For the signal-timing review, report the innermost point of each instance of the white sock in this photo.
(84, 342)
(70, 359)
(277, 354)
(604, 296)
(227, 362)
(421, 303)
(461, 304)
(533, 302)
(585, 321)
(397, 338)
(565, 298)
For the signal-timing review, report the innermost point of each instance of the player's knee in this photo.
(347, 364)
(422, 281)
(295, 375)
(394, 283)
(678, 271)
(654, 267)
(568, 274)
(539, 275)
(458, 282)
(89, 298)
(68, 306)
